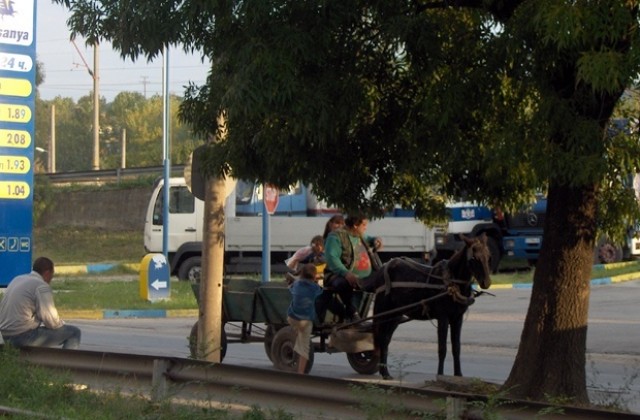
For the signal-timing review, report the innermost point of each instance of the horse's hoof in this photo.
(386, 376)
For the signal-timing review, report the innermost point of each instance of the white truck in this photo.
(402, 236)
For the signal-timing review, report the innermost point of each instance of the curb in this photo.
(603, 281)
(128, 314)
(93, 268)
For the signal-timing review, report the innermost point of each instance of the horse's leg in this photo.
(456, 331)
(443, 330)
(383, 329)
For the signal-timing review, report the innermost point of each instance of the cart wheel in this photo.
(269, 333)
(193, 342)
(364, 362)
(282, 353)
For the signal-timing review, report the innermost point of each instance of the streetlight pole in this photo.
(166, 148)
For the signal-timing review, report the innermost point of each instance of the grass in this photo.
(91, 293)
(72, 245)
(36, 392)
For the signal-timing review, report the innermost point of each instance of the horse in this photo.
(407, 290)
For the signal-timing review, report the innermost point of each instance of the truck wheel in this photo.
(190, 269)
(364, 362)
(193, 343)
(282, 353)
(494, 250)
(607, 253)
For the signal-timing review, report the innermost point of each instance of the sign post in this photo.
(270, 198)
(17, 112)
(154, 278)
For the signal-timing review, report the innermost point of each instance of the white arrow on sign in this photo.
(159, 284)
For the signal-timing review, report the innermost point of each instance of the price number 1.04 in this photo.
(14, 190)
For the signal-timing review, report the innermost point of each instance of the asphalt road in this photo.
(490, 340)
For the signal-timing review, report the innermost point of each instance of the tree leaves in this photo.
(385, 103)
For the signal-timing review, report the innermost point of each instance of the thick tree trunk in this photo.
(210, 317)
(551, 356)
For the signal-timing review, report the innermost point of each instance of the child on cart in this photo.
(302, 311)
(312, 253)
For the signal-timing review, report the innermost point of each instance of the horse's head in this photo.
(479, 259)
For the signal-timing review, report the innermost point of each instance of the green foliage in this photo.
(43, 197)
(489, 407)
(72, 245)
(138, 118)
(257, 413)
(377, 402)
(51, 394)
(422, 103)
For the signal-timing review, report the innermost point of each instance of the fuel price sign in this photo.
(17, 109)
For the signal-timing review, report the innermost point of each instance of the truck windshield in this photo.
(244, 192)
(180, 201)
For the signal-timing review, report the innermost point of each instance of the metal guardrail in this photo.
(162, 377)
(102, 175)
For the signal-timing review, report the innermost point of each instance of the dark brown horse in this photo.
(407, 290)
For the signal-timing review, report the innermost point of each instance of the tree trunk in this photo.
(551, 356)
(210, 318)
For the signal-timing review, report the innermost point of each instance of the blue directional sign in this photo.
(154, 278)
(17, 112)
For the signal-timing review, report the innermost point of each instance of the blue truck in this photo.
(509, 235)
(517, 235)
(526, 243)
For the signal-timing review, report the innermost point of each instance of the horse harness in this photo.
(449, 287)
(449, 284)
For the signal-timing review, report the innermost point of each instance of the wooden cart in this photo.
(257, 312)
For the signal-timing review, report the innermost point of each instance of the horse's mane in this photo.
(456, 263)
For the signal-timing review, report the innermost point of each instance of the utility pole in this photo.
(52, 142)
(123, 154)
(144, 86)
(96, 102)
(96, 110)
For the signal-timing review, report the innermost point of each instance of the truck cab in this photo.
(469, 219)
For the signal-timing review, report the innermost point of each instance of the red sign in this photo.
(271, 197)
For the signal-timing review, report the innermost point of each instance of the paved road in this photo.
(490, 339)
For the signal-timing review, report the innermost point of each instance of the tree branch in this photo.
(501, 9)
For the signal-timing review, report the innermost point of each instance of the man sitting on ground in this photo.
(28, 316)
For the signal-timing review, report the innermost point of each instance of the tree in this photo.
(142, 118)
(73, 132)
(415, 101)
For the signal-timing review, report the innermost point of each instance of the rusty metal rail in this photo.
(305, 396)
